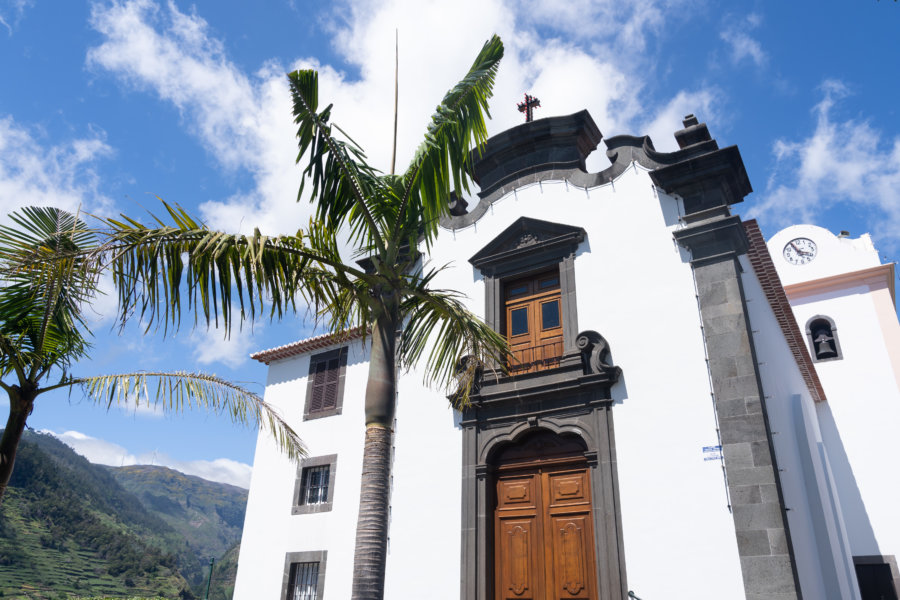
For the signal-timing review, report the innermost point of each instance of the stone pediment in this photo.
(525, 237)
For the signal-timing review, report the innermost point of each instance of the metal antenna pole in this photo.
(209, 580)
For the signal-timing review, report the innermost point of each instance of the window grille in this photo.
(315, 485)
(304, 578)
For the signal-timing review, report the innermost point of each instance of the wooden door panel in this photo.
(568, 488)
(518, 557)
(572, 558)
(517, 492)
(544, 547)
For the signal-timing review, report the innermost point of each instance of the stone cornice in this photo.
(881, 275)
(723, 237)
(555, 148)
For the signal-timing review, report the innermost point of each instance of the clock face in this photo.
(800, 251)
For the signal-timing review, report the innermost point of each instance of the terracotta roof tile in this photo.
(307, 345)
(759, 256)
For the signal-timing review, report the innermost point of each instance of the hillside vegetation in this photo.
(69, 528)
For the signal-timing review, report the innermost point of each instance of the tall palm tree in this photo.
(385, 288)
(49, 280)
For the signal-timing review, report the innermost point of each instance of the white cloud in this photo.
(243, 120)
(102, 452)
(703, 103)
(845, 163)
(12, 11)
(743, 46)
(35, 173)
(211, 346)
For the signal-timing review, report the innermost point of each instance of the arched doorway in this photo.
(543, 522)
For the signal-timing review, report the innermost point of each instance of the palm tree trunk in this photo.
(372, 526)
(20, 406)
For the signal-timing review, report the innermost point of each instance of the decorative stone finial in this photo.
(694, 132)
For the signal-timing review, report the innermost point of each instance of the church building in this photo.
(690, 412)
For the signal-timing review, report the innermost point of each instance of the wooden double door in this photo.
(544, 532)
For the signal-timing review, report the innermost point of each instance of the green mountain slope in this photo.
(209, 515)
(69, 528)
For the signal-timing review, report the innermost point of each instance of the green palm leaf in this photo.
(180, 391)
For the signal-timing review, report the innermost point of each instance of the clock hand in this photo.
(799, 251)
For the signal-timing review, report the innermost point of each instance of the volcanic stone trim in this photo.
(529, 246)
(555, 149)
(501, 414)
(708, 183)
(760, 522)
(306, 463)
(317, 556)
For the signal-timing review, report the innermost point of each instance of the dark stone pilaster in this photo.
(760, 521)
(708, 184)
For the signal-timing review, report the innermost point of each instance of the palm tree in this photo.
(385, 289)
(49, 281)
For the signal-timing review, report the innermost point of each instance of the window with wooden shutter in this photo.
(326, 383)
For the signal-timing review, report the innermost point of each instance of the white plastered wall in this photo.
(270, 530)
(634, 286)
(817, 529)
(860, 421)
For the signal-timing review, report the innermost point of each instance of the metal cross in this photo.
(528, 107)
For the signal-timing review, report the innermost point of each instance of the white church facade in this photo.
(691, 413)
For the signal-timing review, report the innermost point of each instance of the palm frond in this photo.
(344, 186)
(179, 391)
(440, 327)
(47, 284)
(442, 162)
(153, 266)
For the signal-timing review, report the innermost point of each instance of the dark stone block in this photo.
(738, 455)
(750, 475)
(749, 517)
(753, 543)
(767, 576)
(731, 408)
(744, 494)
(769, 493)
(778, 541)
(745, 428)
(737, 387)
(761, 453)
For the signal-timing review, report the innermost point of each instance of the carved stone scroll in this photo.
(594, 353)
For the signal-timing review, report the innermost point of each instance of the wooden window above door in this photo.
(533, 322)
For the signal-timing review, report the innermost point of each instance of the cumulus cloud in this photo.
(102, 452)
(34, 173)
(243, 120)
(847, 163)
(210, 345)
(660, 127)
(737, 34)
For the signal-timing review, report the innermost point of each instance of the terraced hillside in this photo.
(70, 529)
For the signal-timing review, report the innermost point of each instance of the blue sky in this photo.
(106, 105)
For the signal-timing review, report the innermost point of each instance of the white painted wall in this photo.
(835, 255)
(636, 288)
(818, 533)
(270, 530)
(861, 419)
